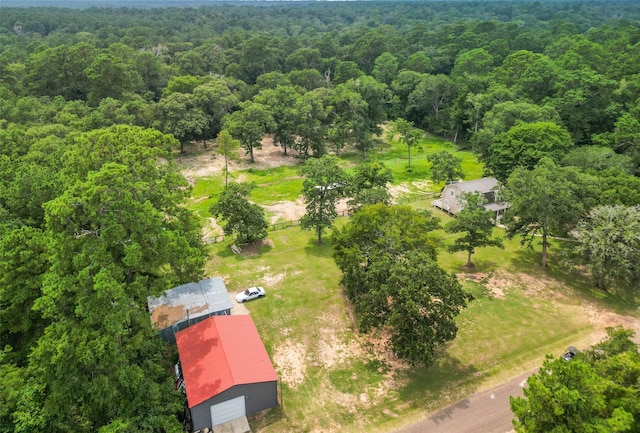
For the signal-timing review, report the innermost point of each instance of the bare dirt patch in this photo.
(272, 280)
(602, 319)
(290, 359)
(286, 211)
(330, 351)
(252, 248)
(498, 283)
(211, 229)
(399, 190)
(201, 163)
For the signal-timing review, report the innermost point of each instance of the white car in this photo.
(250, 293)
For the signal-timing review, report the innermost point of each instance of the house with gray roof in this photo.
(188, 304)
(451, 200)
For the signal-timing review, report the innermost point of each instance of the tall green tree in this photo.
(445, 167)
(348, 113)
(408, 135)
(303, 58)
(524, 145)
(403, 86)
(281, 103)
(596, 159)
(258, 55)
(390, 275)
(476, 225)
(180, 114)
(311, 127)
(425, 301)
(216, 101)
(325, 183)
(244, 219)
(368, 185)
(584, 104)
(385, 68)
(596, 391)
(616, 187)
(500, 116)
(377, 96)
(429, 101)
(609, 245)
(23, 262)
(471, 70)
(60, 71)
(376, 232)
(544, 201)
(110, 76)
(12, 383)
(248, 125)
(227, 147)
(369, 46)
(118, 234)
(418, 62)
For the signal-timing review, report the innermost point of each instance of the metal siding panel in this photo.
(167, 335)
(201, 417)
(261, 396)
(228, 410)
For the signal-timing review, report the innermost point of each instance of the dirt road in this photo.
(486, 412)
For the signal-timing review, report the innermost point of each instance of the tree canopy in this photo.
(244, 219)
(325, 183)
(544, 201)
(116, 234)
(368, 185)
(476, 225)
(387, 258)
(595, 391)
(609, 245)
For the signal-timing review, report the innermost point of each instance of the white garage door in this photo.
(228, 410)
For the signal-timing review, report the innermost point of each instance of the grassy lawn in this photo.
(284, 183)
(336, 380)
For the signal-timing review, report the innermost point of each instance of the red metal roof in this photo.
(220, 352)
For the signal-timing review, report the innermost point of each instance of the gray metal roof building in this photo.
(188, 304)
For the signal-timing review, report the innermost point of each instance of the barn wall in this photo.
(258, 397)
(169, 334)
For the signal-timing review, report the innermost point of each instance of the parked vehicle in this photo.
(570, 353)
(250, 293)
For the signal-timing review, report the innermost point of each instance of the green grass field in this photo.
(336, 380)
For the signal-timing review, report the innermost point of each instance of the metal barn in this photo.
(226, 370)
(190, 303)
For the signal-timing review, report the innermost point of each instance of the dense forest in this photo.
(92, 99)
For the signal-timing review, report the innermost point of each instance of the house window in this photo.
(446, 203)
(453, 193)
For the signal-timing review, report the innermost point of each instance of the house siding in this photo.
(258, 397)
(450, 201)
(450, 198)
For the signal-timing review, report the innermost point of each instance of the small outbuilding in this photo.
(451, 200)
(190, 303)
(226, 371)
